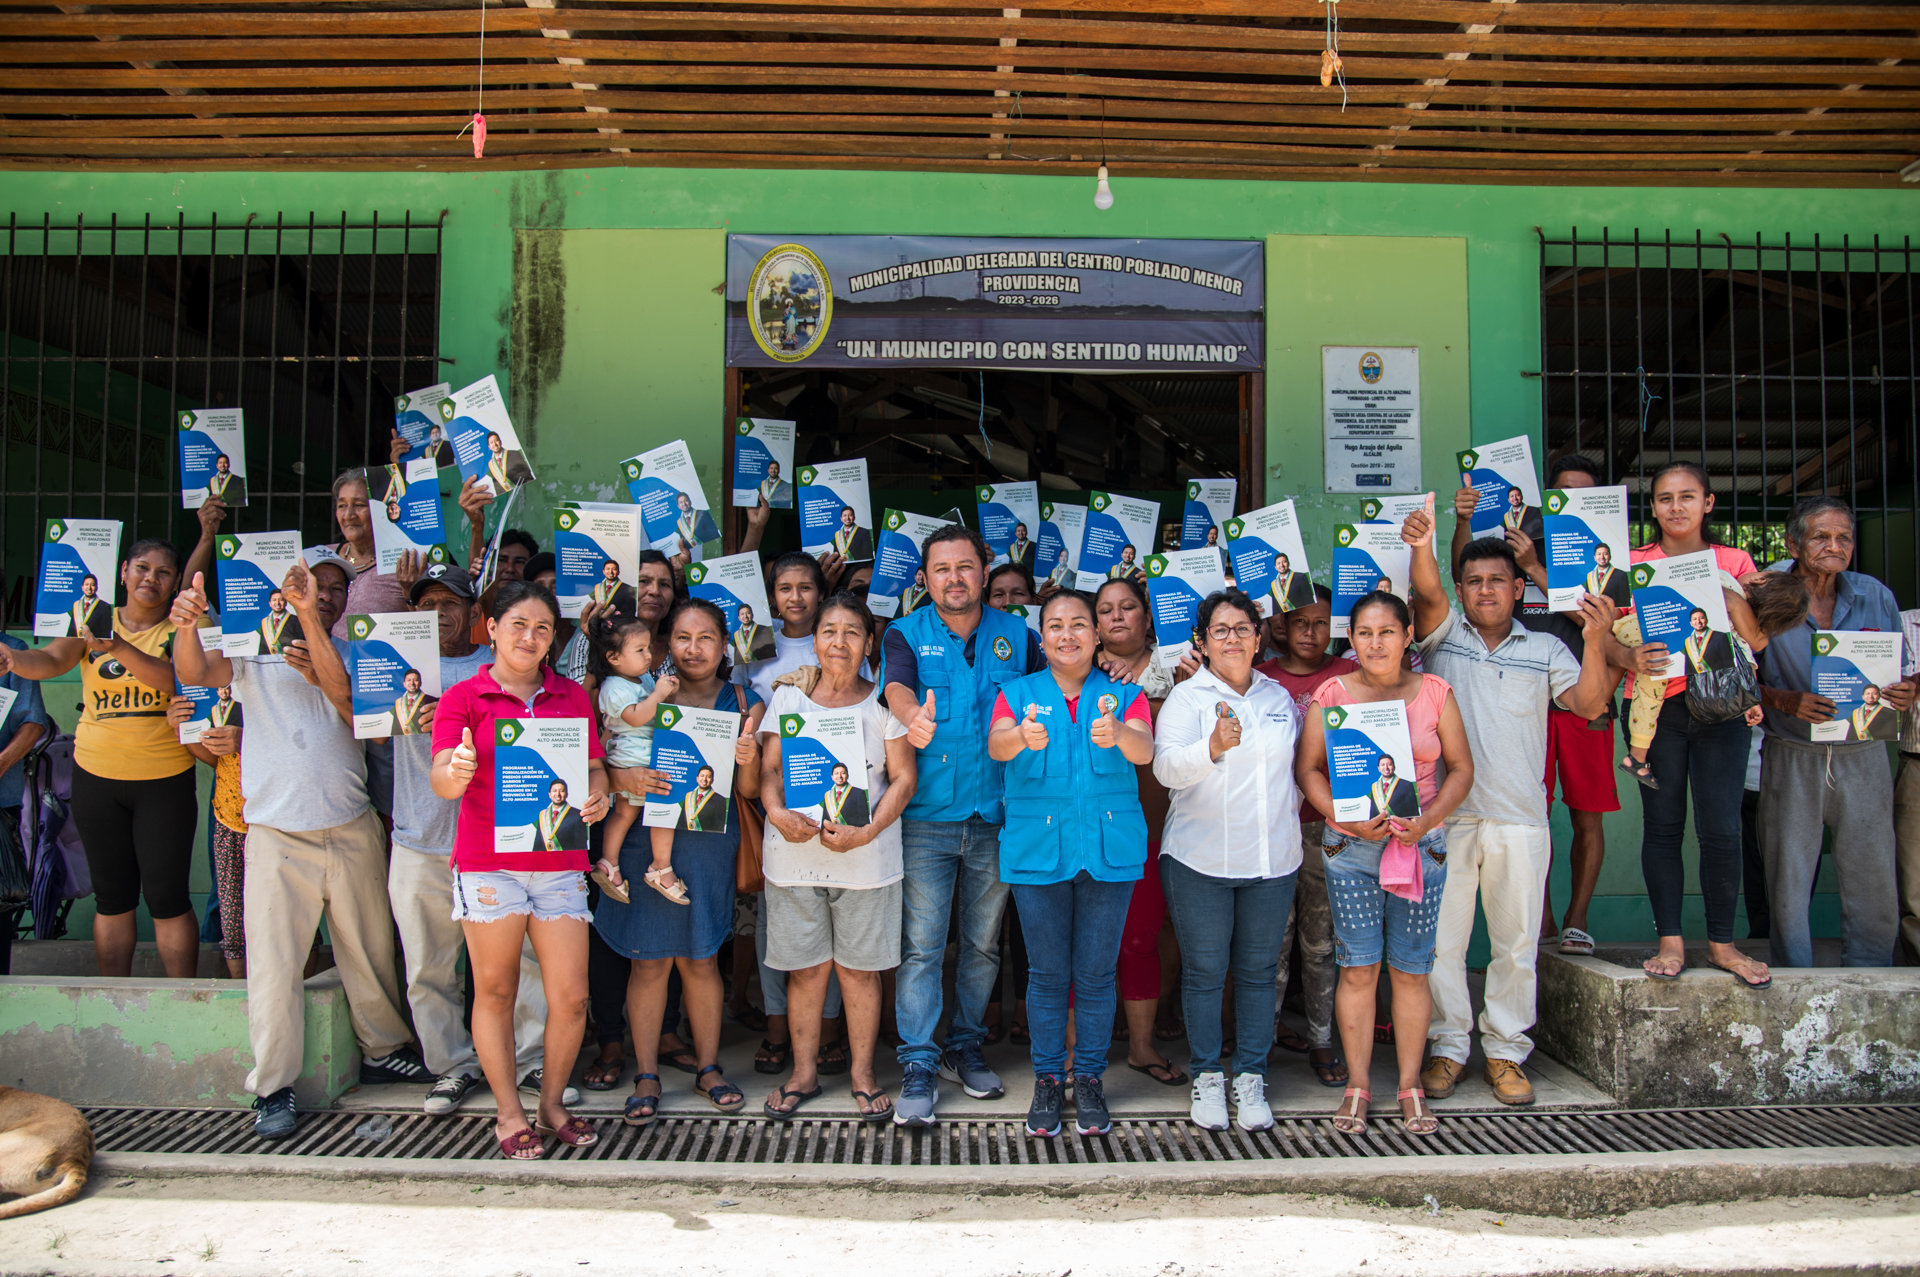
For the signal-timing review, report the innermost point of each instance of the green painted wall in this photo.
(637, 360)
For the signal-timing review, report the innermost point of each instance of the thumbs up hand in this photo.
(466, 759)
(1103, 729)
(747, 748)
(1031, 732)
(1418, 528)
(920, 730)
(190, 604)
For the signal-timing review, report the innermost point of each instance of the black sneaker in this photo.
(274, 1116)
(402, 1066)
(1090, 1106)
(446, 1094)
(532, 1081)
(1043, 1115)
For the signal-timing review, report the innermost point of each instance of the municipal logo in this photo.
(807, 475)
(1235, 529)
(1156, 564)
(564, 520)
(186, 420)
(984, 495)
(633, 469)
(790, 724)
(436, 554)
(506, 731)
(1468, 460)
(1371, 366)
(1003, 649)
(895, 520)
(696, 573)
(1046, 511)
(399, 403)
(1344, 534)
(743, 426)
(1556, 502)
(789, 303)
(228, 546)
(1332, 716)
(1100, 501)
(667, 717)
(1370, 509)
(1109, 703)
(1193, 492)
(55, 530)
(1642, 576)
(446, 409)
(1823, 644)
(360, 626)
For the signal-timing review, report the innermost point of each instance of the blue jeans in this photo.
(1711, 759)
(947, 861)
(1227, 924)
(1073, 940)
(1369, 920)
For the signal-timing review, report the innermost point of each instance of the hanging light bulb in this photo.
(1102, 193)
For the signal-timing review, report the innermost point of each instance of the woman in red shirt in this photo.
(505, 892)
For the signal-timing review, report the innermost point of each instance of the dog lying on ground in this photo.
(45, 1150)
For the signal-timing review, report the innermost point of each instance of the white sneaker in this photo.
(1209, 1109)
(1250, 1109)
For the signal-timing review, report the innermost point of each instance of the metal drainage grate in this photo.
(711, 1141)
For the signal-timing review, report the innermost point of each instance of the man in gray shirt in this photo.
(420, 874)
(314, 844)
(1505, 678)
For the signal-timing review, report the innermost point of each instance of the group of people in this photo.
(1062, 774)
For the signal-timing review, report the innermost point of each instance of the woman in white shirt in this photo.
(1231, 851)
(834, 889)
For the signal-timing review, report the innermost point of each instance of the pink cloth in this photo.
(1400, 871)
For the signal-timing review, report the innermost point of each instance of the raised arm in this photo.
(192, 663)
(40, 663)
(327, 672)
(1589, 697)
(1429, 595)
(212, 513)
(1464, 500)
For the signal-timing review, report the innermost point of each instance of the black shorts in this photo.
(139, 837)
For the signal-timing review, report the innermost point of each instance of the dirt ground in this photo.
(428, 1228)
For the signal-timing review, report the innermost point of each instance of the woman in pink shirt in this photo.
(523, 876)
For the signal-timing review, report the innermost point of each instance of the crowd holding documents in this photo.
(596, 791)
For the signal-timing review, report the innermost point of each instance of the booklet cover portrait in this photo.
(248, 567)
(212, 707)
(79, 578)
(416, 418)
(1209, 505)
(485, 444)
(823, 763)
(1269, 558)
(1679, 602)
(539, 784)
(673, 506)
(1009, 515)
(407, 516)
(213, 457)
(763, 463)
(1063, 529)
(1118, 538)
(898, 585)
(1851, 668)
(1586, 547)
(393, 665)
(694, 748)
(1366, 557)
(836, 512)
(733, 583)
(1177, 584)
(1509, 494)
(597, 558)
(1370, 761)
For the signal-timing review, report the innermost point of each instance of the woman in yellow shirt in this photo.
(133, 784)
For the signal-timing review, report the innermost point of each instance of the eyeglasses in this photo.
(1221, 633)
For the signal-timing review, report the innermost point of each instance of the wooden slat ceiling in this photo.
(1711, 94)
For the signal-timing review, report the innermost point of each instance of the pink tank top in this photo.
(1423, 724)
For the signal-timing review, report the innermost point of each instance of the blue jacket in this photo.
(1073, 805)
(956, 779)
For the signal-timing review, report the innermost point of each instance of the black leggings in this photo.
(139, 836)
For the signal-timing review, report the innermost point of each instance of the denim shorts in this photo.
(489, 897)
(1368, 919)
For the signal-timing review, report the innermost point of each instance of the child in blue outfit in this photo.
(622, 653)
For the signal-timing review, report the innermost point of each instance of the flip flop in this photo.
(1172, 1033)
(1020, 1035)
(799, 1099)
(684, 1059)
(603, 1075)
(1662, 975)
(877, 1114)
(1174, 1075)
(1577, 942)
(1763, 984)
(1287, 1040)
(522, 1146)
(1324, 1072)
(753, 1019)
(576, 1131)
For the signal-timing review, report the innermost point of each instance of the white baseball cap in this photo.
(315, 555)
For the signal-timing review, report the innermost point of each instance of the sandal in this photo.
(1174, 1077)
(723, 1094)
(772, 1057)
(1639, 771)
(1020, 1035)
(575, 1131)
(799, 1099)
(673, 889)
(607, 888)
(1329, 1072)
(835, 1060)
(640, 1109)
(604, 1075)
(749, 1017)
(996, 1032)
(1287, 1040)
(1354, 1123)
(873, 1113)
(1662, 975)
(1172, 1031)
(1576, 942)
(1422, 1122)
(681, 1058)
(1739, 973)
(522, 1146)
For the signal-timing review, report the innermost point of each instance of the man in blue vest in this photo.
(945, 664)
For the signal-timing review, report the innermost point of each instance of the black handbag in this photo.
(1718, 696)
(16, 880)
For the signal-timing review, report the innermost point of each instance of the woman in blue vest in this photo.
(1074, 843)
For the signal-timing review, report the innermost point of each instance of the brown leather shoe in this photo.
(1439, 1076)
(1509, 1082)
